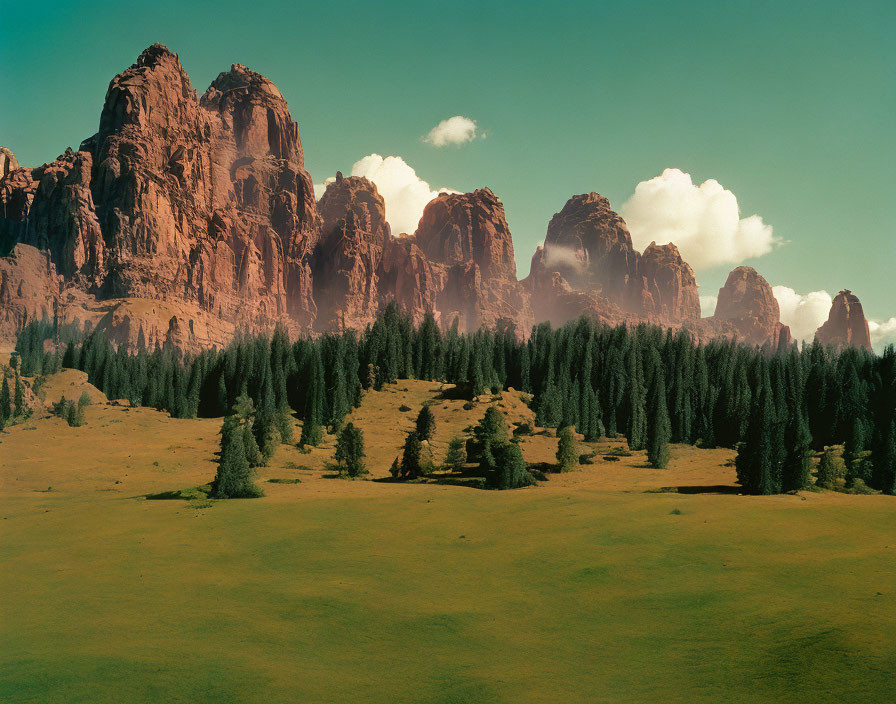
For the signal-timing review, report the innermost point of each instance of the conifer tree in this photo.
(506, 468)
(350, 451)
(415, 461)
(19, 397)
(637, 414)
(5, 400)
(659, 429)
(457, 455)
(755, 455)
(234, 477)
(567, 454)
(312, 432)
(426, 423)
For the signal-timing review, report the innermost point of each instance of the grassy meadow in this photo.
(613, 583)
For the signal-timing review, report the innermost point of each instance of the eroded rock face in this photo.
(846, 324)
(408, 277)
(29, 290)
(349, 253)
(668, 289)
(466, 237)
(8, 162)
(202, 202)
(588, 251)
(746, 301)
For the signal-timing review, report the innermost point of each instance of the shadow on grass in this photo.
(711, 489)
(191, 494)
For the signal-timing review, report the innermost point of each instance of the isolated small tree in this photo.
(506, 468)
(234, 477)
(426, 423)
(5, 400)
(567, 453)
(414, 460)
(19, 398)
(659, 431)
(457, 455)
(350, 451)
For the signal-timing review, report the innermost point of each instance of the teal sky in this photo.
(791, 105)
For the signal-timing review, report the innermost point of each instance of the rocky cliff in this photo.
(747, 303)
(846, 324)
(187, 217)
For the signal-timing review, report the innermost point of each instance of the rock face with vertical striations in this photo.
(466, 237)
(588, 252)
(747, 303)
(846, 325)
(346, 263)
(8, 162)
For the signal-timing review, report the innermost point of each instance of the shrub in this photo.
(524, 428)
(403, 408)
(457, 455)
(566, 449)
(469, 406)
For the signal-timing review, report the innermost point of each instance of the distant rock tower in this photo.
(846, 324)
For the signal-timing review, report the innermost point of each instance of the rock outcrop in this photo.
(747, 303)
(8, 162)
(349, 253)
(29, 289)
(465, 235)
(199, 202)
(589, 266)
(187, 217)
(846, 324)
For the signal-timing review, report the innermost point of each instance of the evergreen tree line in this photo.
(653, 386)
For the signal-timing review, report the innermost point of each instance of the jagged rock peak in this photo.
(457, 228)
(154, 55)
(747, 301)
(846, 324)
(8, 162)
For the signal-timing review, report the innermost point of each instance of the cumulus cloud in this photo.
(454, 130)
(404, 192)
(882, 334)
(804, 313)
(703, 221)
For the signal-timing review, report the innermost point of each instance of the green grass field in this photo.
(592, 587)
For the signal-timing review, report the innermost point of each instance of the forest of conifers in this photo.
(654, 386)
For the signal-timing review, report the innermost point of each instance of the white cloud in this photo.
(804, 313)
(708, 305)
(882, 334)
(454, 130)
(703, 221)
(404, 193)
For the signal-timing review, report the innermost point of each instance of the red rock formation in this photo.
(29, 290)
(196, 202)
(846, 324)
(349, 253)
(466, 235)
(747, 303)
(407, 277)
(667, 284)
(590, 246)
(588, 250)
(8, 162)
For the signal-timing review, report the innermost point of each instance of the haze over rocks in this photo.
(187, 218)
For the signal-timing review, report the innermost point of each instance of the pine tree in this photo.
(659, 428)
(457, 455)
(506, 468)
(350, 451)
(426, 423)
(415, 461)
(796, 471)
(637, 414)
(567, 454)
(312, 433)
(755, 456)
(234, 477)
(5, 400)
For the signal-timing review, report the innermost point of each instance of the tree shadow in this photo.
(711, 489)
